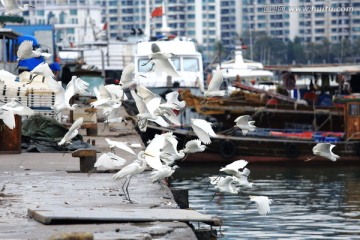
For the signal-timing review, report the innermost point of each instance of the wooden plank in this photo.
(53, 215)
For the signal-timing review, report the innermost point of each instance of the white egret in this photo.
(128, 76)
(129, 171)
(262, 204)
(161, 62)
(116, 92)
(145, 94)
(244, 124)
(169, 152)
(121, 145)
(324, 150)
(242, 180)
(45, 70)
(8, 118)
(203, 130)
(193, 146)
(26, 51)
(153, 151)
(214, 85)
(225, 184)
(104, 99)
(173, 102)
(72, 132)
(233, 168)
(13, 9)
(75, 86)
(165, 172)
(108, 161)
(18, 108)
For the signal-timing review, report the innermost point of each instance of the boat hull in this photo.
(227, 148)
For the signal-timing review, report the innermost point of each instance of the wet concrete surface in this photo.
(38, 180)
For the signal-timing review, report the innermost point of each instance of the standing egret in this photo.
(203, 130)
(13, 9)
(121, 145)
(324, 150)
(262, 204)
(73, 131)
(244, 124)
(214, 86)
(129, 171)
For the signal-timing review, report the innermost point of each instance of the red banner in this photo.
(157, 12)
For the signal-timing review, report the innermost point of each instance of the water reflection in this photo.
(309, 202)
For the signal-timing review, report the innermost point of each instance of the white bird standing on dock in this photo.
(121, 145)
(161, 62)
(203, 130)
(262, 204)
(244, 124)
(13, 9)
(73, 131)
(324, 150)
(234, 167)
(214, 86)
(138, 166)
(26, 51)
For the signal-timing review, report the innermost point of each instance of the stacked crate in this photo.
(11, 90)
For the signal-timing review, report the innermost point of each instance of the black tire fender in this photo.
(292, 150)
(227, 149)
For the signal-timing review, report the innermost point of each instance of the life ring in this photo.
(292, 150)
(227, 149)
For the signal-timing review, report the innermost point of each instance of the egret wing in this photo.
(202, 135)
(25, 48)
(206, 126)
(8, 118)
(238, 164)
(128, 73)
(216, 81)
(77, 124)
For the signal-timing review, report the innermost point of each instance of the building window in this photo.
(70, 31)
(40, 12)
(73, 11)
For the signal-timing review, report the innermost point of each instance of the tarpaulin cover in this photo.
(42, 134)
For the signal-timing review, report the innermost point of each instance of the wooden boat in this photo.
(269, 145)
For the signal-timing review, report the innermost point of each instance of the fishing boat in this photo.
(272, 145)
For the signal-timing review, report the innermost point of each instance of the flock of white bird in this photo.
(162, 153)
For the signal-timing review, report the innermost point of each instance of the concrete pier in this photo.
(86, 207)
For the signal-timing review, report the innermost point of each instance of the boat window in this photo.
(191, 64)
(176, 63)
(354, 109)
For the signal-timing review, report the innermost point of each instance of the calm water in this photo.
(313, 202)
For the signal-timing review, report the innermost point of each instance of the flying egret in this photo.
(193, 146)
(233, 168)
(128, 76)
(108, 161)
(161, 62)
(45, 70)
(214, 86)
(75, 86)
(120, 145)
(169, 152)
(72, 132)
(104, 99)
(224, 184)
(173, 102)
(262, 204)
(153, 151)
(242, 180)
(324, 150)
(244, 124)
(13, 9)
(26, 51)
(203, 130)
(18, 108)
(8, 118)
(129, 171)
(165, 172)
